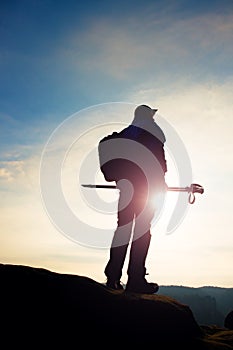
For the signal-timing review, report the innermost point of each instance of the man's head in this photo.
(144, 111)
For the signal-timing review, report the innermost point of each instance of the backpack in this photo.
(109, 166)
(114, 164)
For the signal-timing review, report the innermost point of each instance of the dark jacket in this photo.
(153, 140)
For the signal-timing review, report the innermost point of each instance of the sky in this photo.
(70, 72)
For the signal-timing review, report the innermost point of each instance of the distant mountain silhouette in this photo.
(44, 308)
(210, 305)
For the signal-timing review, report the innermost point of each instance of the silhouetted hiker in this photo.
(144, 166)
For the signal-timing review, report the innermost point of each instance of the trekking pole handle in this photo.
(194, 188)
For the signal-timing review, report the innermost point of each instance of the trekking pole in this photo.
(192, 189)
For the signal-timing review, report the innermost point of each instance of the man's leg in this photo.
(139, 249)
(138, 254)
(120, 241)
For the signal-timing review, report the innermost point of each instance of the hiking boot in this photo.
(141, 286)
(113, 284)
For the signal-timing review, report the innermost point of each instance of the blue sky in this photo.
(50, 50)
(60, 57)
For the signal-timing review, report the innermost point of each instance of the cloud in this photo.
(20, 176)
(5, 174)
(124, 47)
(10, 170)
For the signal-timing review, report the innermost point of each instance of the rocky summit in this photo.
(42, 307)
